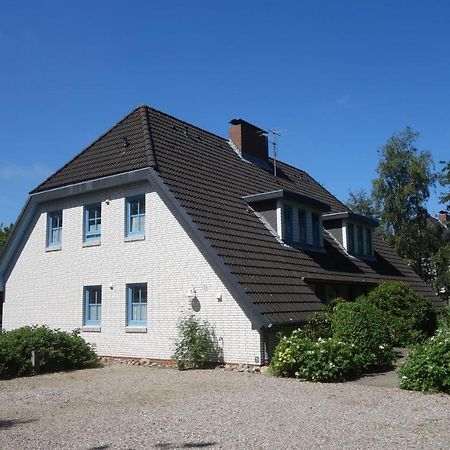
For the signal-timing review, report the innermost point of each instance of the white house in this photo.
(158, 219)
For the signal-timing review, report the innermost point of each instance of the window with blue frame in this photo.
(92, 222)
(350, 238)
(288, 226)
(360, 240)
(369, 250)
(302, 225)
(135, 210)
(315, 229)
(92, 305)
(137, 304)
(54, 228)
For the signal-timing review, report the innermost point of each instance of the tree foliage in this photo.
(441, 264)
(361, 202)
(4, 233)
(444, 180)
(398, 200)
(405, 177)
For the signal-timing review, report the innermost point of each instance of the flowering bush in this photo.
(428, 367)
(319, 325)
(315, 360)
(361, 323)
(410, 316)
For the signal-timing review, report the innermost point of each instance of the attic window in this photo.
(295, 218)
(302, 226)
(353, 231)
(358, 240)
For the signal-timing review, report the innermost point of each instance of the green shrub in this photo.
(56, 351)
(443, 320)
(361, 323)
(319, 323)
(409, 316)
(323, 360)
(427, 368)
(195, 347)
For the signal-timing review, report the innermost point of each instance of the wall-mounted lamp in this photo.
(107, 201)
(191, 293)
(219, 296)
(111, 286)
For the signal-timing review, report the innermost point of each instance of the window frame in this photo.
(87, 292)
(351, 238)
(128, 216)
(369, 242)
(129, 293)
(87, 235)
(360, 240)
(288, 226)
(302, 226)
(315, 228)
(51, 215)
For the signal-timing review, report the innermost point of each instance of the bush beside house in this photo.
(55, 351)
(357, 339)
(361, 323)
(351, 338)
(323, 360)
(410, 317)
(196, 345)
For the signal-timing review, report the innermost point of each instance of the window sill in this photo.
(91, 329)
(56, 248)
(135, 329)
(134, 238)
(96, 243)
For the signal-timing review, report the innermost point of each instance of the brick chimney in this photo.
(249, 140)
(443, 217)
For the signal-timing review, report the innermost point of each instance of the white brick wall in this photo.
(47, 287)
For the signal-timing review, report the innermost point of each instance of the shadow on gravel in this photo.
(5, 424)
(186, 445)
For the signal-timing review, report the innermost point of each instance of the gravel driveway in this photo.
(131, 407)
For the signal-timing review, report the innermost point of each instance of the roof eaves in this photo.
(282, 193)
(352, 216)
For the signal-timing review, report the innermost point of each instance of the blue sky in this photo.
(339, 76)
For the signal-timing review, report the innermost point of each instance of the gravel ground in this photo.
(131, 407)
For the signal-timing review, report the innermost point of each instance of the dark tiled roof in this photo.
(109, 154)
(209, 179)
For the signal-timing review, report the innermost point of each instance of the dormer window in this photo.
(294, 218)
(288, 223)
(353, 231)
(316, 230)
(301, 226)
(359, 244)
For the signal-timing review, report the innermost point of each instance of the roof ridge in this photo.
(85, 149)
(148, 141)
(186, 123)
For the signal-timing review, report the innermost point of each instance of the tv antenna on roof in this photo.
(274, 134)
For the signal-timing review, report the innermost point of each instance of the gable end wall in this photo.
(47, 287)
